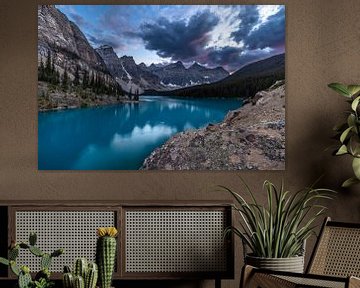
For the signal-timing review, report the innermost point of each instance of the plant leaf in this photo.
(340, 88)
(345, 134)
(349, 182)
(342, 150)
(351, 121)
(356, 167)
(355, 103)
(4, 261)
(353, 89)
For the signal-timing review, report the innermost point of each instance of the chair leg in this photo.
(246, 273)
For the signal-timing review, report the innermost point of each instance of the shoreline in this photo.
(62, 108)
(249, 138)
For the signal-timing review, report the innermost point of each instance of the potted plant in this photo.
(349, 131)
(42, 278)
(276, 233)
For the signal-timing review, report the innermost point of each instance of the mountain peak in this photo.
(125, 57)
(105, 46)
(177, 64)
(197, 66)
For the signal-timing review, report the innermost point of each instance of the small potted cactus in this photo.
(106, 254)
(85, 275)
(42, 278)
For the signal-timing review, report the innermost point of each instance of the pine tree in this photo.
(65, 80)
(41, 71)
(92, 81)
(130, 93)
(76, 81)
(48, 66)
(85, 80)
(57, 77)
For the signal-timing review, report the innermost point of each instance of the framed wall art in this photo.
(161, 87)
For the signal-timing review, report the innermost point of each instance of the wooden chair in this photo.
(335, 262)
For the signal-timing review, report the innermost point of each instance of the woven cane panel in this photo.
(75, 231)
(306, 282)
(175, 241)
(338, 253)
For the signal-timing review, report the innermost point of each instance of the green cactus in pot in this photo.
(85, 275)
(42, 278)
(106, 254)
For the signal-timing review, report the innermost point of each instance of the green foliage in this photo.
(279, 229)
(42, 278)
(43, 283)
(95, 83)
(25, 280)
(349, 131)
(48, 73)
(85, 275)
(105, 259)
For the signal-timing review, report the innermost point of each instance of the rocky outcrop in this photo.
(77, 75)
(67, 45)
(128, 74)
(252, 137)
(156, 77)
(175, 75)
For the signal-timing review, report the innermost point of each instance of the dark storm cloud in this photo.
(179, 40)
(232, 58)
(269, 34)
(249, 15)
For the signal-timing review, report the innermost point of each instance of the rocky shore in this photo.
(54, 98)
(252, 137)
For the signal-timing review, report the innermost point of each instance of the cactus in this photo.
(32, 239)
(57, 252)
(90, 272)
(45, 261)
(44, 273)
(24, 278)
(13, 253)
(80, 268)
(14, 268)
(36, 251)
(105, 254)
(68, 280)
(4, 261)
(79, 282)
(91, 276)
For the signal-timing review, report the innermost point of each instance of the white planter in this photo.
(291, 264)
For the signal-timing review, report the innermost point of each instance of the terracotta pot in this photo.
(291, 264)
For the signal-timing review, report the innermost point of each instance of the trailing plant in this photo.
(106, 254)
(85, 275)
(42, 278)
(349, 131)
(279, 229)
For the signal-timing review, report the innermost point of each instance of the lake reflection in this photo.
(120, 137)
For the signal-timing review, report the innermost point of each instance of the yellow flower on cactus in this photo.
(107, 231)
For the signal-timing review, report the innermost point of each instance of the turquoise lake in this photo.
(120, 137)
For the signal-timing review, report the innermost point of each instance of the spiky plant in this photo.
(85, 274)
(279, 229)
(106, 254)
(42, 278)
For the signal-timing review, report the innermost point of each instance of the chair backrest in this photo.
(337, 251)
